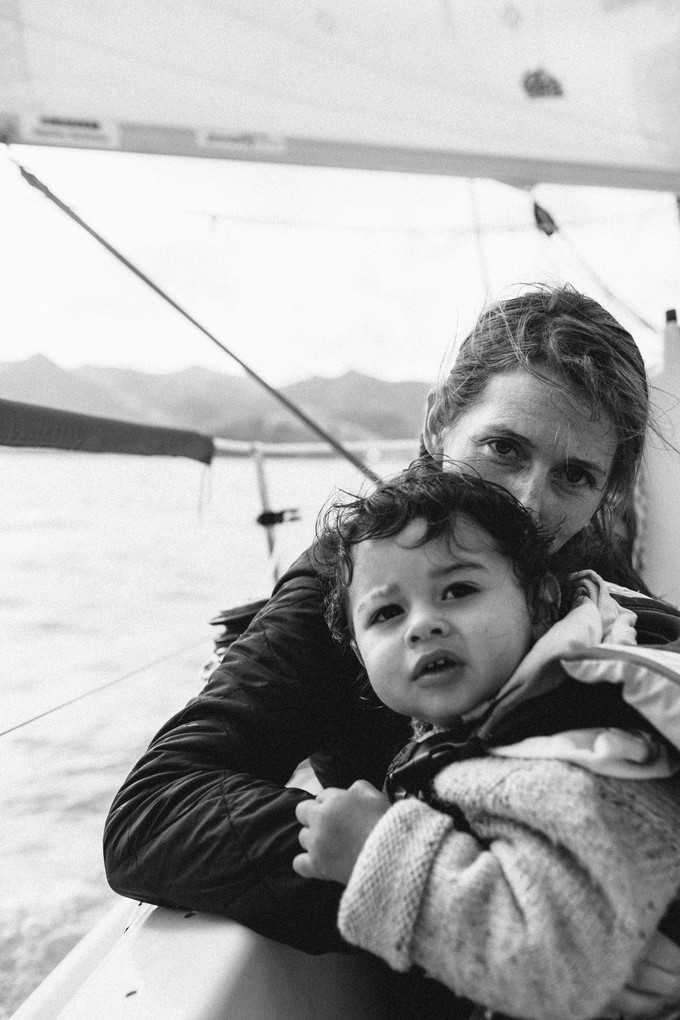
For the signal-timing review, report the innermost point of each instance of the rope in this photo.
(102, 687)
(293, 408)
(607, 290)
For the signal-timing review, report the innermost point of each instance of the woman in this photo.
(548, 396)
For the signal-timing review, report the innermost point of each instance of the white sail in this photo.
(585, 92)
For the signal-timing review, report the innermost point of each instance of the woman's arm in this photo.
(204, 820)
(544, 908)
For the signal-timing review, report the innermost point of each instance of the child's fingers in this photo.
(303, 837)
(302, 866)
(305, 810)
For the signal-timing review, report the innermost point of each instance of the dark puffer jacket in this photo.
(204, 820)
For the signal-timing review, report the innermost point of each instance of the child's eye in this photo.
(386, 613)
(459, 590)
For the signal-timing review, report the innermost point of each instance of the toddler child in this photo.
(530, 842)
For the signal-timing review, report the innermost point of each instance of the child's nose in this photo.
(426, 624)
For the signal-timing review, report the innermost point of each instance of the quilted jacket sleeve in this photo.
(543, 907)
(204, 820)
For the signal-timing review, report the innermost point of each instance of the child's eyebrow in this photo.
(454, 565)
(386, 591)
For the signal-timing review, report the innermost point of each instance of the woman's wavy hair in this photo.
(440, 498)
(570, 336)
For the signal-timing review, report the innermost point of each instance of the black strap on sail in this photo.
(32, 425)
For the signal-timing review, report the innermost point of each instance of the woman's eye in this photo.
(386, 613)
(579, 478)
(459, 590)
(503, 448)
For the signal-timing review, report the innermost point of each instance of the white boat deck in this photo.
(150, 963)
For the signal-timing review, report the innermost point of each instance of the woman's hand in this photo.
(653, 989)
(335, 826)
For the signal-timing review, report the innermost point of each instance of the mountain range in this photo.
(351, 407)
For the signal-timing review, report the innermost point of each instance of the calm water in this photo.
(108, 564)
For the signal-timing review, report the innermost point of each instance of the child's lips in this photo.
(435, 665)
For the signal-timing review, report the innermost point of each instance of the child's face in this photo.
(439, 627)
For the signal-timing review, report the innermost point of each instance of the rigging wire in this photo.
(479, 239)
(35, 182)
(547, 224)
(103, 687)
(407, 229)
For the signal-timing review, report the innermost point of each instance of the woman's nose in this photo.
(426, 624)
(531, 490)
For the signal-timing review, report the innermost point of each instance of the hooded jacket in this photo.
(530, 875)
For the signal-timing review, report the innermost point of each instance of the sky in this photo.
(303, 271)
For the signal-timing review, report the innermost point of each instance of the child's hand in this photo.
(335, 827)
(653, 989)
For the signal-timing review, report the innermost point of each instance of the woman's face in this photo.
(540, 444)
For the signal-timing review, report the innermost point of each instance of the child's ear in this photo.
(355, 648)
(546, 605)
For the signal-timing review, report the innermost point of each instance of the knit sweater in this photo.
(542, 908)
(528, 883)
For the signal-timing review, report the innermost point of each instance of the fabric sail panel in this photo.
(30, 425)
(585, 92)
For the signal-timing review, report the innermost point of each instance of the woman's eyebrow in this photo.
(587, 465)
(505, 430)
(581, 462)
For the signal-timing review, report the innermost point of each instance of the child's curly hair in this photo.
(439, 497)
